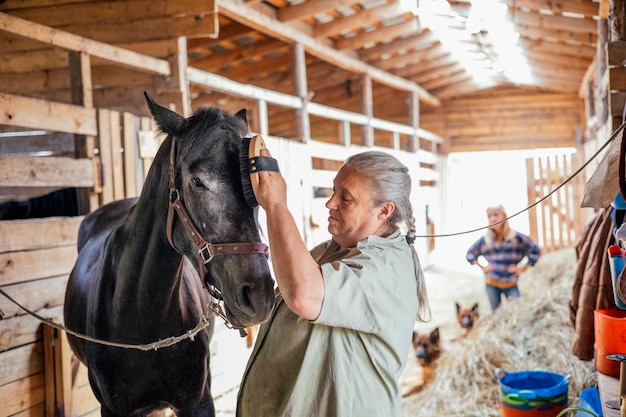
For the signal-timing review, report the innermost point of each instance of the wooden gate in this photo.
(558, 220)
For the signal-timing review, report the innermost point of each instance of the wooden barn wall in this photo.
(37, 256)
(507, 118)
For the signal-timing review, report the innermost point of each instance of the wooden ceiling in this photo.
(443, 49)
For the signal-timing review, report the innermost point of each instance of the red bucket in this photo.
(610, 336)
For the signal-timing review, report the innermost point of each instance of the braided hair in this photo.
(390, 181)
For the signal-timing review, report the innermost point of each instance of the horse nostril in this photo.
(245, 296)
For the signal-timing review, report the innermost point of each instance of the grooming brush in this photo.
(251, 163)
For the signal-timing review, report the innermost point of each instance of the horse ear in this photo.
(242, 115)
(169, 121)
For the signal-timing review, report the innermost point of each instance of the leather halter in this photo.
(206, 251)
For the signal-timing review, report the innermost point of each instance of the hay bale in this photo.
(525, 334)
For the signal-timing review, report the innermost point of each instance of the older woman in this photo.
(341, 329)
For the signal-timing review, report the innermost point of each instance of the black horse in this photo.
(138, 280)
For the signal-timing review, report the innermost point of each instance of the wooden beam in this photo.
(309, 8)
(40, 114)
(535, 32)
(73, 42)
(422, 40)
(359, 19)
(274, 28)
(604, 9)
(556, 22)
(383, 32)
(585, 8)
(114, 22)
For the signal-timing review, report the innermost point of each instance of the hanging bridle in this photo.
(206, 251)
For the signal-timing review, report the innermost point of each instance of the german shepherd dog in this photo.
(467, 316)
(427, 350)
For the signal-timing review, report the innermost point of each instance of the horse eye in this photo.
(197, 183)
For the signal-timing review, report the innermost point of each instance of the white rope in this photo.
(202, 324)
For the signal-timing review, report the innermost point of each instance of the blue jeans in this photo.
(495, 295)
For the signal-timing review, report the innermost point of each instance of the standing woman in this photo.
(339, 336)
(504, 249)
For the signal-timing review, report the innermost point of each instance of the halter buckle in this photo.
(205, 253)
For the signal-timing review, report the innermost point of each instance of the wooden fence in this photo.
(37, 256)
(558, 220)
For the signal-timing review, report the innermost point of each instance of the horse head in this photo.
(209, 221)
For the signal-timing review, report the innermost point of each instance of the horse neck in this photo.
(149, 265)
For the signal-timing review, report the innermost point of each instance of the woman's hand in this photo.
(272, 187)
(298, 276)
(518, 270)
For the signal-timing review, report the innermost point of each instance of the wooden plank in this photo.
(49, 365)
(117, 159)
(608, 388)
(97, 12)
(60, 364)
(63, 374)
(146, 125)
(306, 9)
(359, 19)
(83, 400)
(73, 42)
(54, 231)
(130, 129)
(36, 411)
(617, 78)
(386, 32)
(21, 362)
(106, 155)
(49, 171)
(21, 395)
(27, 265)
(39, 295)
(20, 330)
(616, 53)
(532, 198)
(42, 114)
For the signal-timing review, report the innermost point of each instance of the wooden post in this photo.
(84, 146)
(414, 120)
(303, 126)
(57, 373)
(367, 108)
(263, 117)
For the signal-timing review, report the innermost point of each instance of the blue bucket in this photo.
(536, 393)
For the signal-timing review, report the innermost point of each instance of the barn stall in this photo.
(72, 91)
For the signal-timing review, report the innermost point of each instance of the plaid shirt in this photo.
(501, 255)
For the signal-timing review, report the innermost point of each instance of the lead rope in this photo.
(190, 334)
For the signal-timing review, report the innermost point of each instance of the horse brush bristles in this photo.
(251, 163)
(246, 174)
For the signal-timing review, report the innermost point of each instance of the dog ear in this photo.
(434, 335)
(475, 307)
(458, 307)
(414, 339)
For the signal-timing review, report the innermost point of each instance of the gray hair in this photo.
(389, 180)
